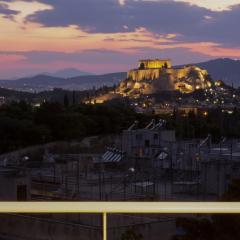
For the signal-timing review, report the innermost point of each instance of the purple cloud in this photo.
(5, 11)
(108, 16)
(40, 61)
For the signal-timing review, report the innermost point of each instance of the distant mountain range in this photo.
(44, 82)
(68, 73)
(224, 69)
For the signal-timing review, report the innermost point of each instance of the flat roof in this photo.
(144, 184)
(157, 59)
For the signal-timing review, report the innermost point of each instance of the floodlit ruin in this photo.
(153, 76)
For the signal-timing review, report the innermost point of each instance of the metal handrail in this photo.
(105, 208)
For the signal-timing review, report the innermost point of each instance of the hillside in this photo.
(149, 80)
(57, 95)
(69, 73)
(15, 95)
(225, 69)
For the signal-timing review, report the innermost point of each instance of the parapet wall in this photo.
(152, 74)
(139, 75)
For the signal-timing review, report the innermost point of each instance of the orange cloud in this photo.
(22, 36)
(25, 8)
(35, 37)
(219, 5)
(11, 58)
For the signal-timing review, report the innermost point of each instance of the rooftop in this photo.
(157, 59)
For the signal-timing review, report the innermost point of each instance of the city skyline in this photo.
(47, 35)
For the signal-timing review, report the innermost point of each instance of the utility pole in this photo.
(78, 177)
(218, 169)
(124, 187)
(100, 184)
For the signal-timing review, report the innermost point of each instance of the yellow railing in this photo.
(105, 208)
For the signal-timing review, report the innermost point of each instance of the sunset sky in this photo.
(102, 36)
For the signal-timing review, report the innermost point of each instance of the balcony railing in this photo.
(105, 208)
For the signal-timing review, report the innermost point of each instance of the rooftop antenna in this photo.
(206, 140)
(160, 124)
(135, 124)
(151, 124)
(223, 139)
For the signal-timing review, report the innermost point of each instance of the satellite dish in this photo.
(131, 170)
(25, 158)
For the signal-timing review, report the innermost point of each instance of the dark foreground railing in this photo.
(105, 208)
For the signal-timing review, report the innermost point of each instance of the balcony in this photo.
(106, 208)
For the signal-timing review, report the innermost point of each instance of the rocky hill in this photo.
(225, 69)
(149, 81)
(155, 76)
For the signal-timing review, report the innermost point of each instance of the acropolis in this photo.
(156, 75)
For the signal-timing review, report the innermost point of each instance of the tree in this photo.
(74, 98)
(66, 100)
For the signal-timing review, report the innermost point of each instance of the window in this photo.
(138, 136)
(22, 192)
(147, 143)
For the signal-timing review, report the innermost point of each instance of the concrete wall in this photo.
(9, 182)
(215, 177)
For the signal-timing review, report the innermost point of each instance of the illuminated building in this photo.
(154, 64)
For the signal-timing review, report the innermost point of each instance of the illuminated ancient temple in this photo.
(158, 74)
(155, 76)
(154, 64)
